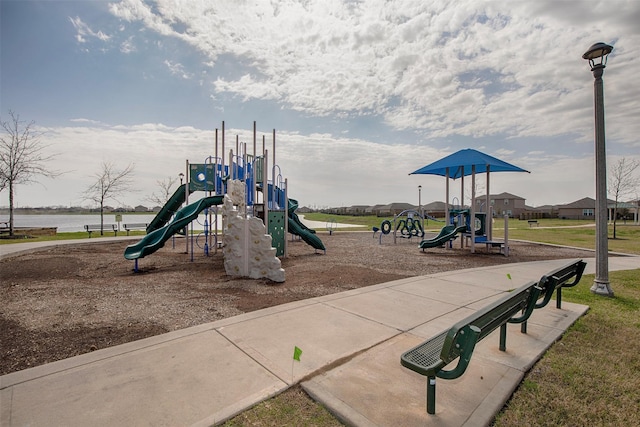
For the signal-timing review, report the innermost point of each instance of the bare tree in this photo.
(109, 184)
(622, 182)
(468, 191)
(3, 181)
(165, 191)
(22, 157)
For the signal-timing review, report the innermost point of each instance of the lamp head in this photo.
(597, 55)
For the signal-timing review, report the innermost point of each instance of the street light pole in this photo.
(597, 57)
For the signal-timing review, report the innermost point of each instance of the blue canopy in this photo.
(460, 163)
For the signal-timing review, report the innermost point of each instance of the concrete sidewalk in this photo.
(351, 343)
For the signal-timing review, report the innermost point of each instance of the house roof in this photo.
(399, 205)
(434, 206)
(501, 196)
(586, 203)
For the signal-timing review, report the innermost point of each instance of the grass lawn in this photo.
(592, 376)
(578, 233)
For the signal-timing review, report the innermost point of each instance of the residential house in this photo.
(434, 209)
(304, 210)
(545, 211)
(373, 210)
(580, 209)
(357, 210)
(393, 209)
(503, 204)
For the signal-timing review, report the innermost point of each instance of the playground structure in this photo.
(407, 228)
(470, 162)
(458, 223)
(250, 193)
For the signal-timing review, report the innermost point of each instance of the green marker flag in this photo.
(509, 276)
(296, 353)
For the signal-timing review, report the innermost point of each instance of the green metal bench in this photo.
(559, 278)
(432, 356)
(563, 277)
(90, 228)
(135, 226)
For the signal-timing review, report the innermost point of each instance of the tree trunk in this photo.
(10, 208)
(102, 219)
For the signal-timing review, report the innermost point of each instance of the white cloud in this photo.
(177, 69)
(84, 120)
(472, 68)
(128, 46)
(83, 30)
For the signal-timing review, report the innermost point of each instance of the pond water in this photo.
(69, 223)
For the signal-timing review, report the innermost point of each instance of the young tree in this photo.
(22, 157)
(165, 191)
(109, 184)
(622, 182)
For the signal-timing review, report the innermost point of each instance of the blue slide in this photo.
(156, 239)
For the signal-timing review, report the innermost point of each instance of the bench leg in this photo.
(431, 395)
(559, 298)
(503, 337)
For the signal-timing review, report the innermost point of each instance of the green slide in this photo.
(167, 211)
(156, 239)
(299, 229)
(447, 233)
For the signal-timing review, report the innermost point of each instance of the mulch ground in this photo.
(64, 301)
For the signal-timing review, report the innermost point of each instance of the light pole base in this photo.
(602, 288)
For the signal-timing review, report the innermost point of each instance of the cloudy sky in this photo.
(360, 93)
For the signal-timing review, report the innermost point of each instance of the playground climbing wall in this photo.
(248, 250)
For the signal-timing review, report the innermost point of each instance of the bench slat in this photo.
(425, 358)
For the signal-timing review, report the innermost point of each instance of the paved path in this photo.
(351, 343)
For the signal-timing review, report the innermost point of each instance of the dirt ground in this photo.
(73, 299)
